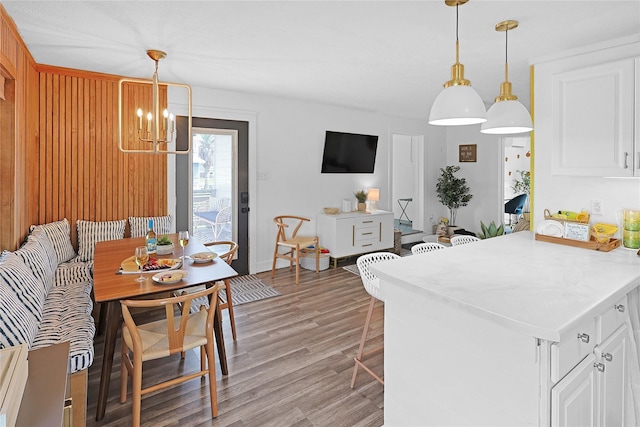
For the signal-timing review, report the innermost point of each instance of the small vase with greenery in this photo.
(453, 192)
(165, 245)
(361, 196)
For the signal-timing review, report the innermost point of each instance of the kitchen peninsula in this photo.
(510, 331)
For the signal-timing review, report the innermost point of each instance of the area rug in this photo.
(249, 288)
(353, 268)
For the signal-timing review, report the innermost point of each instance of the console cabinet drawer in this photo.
(353, 233)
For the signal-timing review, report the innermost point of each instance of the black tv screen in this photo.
(349, 153)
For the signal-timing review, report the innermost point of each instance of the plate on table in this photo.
(202, 257)
(169, 277)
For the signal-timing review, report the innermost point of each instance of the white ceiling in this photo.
(384, 56)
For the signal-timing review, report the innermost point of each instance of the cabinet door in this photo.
(573, 399)
(612, 379)
(593, 120)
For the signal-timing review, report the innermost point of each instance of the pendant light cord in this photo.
(456, 22)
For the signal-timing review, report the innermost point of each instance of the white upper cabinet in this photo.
(584, 108)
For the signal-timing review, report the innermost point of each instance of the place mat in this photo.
(131, 262)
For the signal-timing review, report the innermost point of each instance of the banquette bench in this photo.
(45, 295)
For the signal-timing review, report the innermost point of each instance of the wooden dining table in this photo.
(110, 286)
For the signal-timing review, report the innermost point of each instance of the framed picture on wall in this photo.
(467, 153)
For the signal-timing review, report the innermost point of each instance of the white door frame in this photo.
(417, 156)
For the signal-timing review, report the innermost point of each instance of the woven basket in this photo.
(308, 260)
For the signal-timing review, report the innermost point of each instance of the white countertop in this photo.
(533, 287)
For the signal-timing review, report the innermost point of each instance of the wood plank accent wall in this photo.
(83, 174)
(60, 156)
(18, 136)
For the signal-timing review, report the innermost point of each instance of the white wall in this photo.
(286, 143)
(484, 177)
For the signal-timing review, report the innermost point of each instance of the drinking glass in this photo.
(142, 256)
(183, 239)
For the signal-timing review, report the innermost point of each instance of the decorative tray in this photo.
(591, 244)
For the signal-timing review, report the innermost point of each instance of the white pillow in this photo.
(59, 235)
(90, 233)
(138, 225)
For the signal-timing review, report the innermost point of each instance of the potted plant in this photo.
(523, 185)
(491, 231)
(165, 245)
(453, 192)
(361, 196)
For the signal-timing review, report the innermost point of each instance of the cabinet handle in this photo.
(619, 307)
(599, 366)
(626, 160)
(583, 337)
(607, 356)
(366, 234)
(367, 222)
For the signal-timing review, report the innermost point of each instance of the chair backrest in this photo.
(422, 248)
(222, 219)
(462, 240)
(138, 225)
(176, 325)
(227, 256)
(290, 223)
(515, 205)
(370, 281)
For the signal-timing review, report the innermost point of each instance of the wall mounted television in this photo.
(349, 153)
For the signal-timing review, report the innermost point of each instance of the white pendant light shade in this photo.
(456, 106)
(507, 117)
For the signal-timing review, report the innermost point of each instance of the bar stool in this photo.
(372, 286)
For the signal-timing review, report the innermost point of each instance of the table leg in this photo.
(111, 332)
(222, 354)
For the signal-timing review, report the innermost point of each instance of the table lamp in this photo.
(373, 197)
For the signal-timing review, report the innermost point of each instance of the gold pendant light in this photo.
(507, 115)
(458, 104)
(154, 129)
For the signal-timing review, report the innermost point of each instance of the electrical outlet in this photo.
(596, 207)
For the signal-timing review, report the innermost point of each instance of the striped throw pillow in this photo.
(59, 235)
(138, 225)
(17, 276)
(17, 324)
(90, 233)
(35, 257)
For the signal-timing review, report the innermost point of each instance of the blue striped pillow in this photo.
(17, 324)
(89, 233)
(15, 274)
(43, 240)
(138, 225)
(59, 235)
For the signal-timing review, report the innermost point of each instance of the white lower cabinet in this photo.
(593, 392)
(355, 233)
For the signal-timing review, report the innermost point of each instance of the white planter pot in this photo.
(165, 249)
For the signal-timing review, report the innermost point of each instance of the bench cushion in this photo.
(90, 232)
(59, 235)
(138, 225)
(66, 315)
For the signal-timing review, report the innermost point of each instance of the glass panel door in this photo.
(214, 186)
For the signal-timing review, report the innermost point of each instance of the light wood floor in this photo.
(291, 365)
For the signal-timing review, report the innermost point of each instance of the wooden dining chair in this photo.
(228, 258)
(287, 237)
(163, 338)
(228, 304)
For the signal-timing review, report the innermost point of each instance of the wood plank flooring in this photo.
(291, 365)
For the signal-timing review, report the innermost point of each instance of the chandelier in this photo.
(155, 129)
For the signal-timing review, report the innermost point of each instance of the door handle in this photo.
(244, 210)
